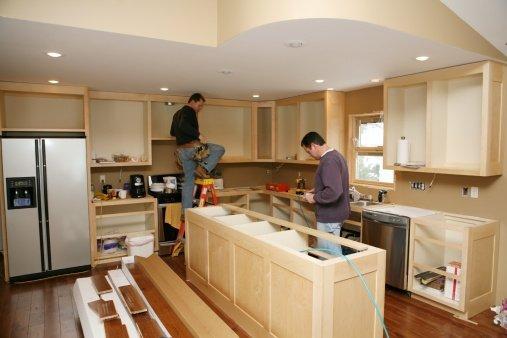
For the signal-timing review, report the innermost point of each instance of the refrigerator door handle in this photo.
(46, 211)
(39, 206)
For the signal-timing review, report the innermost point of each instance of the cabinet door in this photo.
(264, 128)
(286, 131)
(312, 117)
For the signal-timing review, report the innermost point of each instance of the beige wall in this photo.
(189, 21)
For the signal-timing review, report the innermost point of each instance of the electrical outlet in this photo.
(474, 192)
(268, 172)
(102, 179)
(465, 191)
(417, 185)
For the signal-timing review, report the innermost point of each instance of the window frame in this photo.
(354, 151)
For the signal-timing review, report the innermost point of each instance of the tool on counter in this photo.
(300, 185)
(279, 187)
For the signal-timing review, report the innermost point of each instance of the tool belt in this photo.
(201, 151)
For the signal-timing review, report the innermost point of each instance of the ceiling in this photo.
(346, 54)
(488, 18)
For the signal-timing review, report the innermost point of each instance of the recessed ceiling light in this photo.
(294, 44)
(422, 58)
(54, 54)
(164, 89)
(256, 96)
(53, 81)
(375, 80)
(330, 89)
(226, 72)
(319, 81)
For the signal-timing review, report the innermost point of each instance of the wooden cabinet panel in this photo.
(198, 250)
(219, 263)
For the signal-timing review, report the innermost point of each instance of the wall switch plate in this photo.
(102, 178)
(474, 192)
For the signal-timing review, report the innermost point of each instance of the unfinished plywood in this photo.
(279, 289)
(161, 119)
(219, 264)
(119, 127)
(286, 132)
(132, 300)
(230, 127)
(312, 117)
(198, 263)
(27, 111)
(288, 318)
(436, 241)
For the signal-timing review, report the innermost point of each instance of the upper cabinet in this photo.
(263, 127)
(161, 118)
(35, 107)
(120, 130)
(450, 117)
(322, 112)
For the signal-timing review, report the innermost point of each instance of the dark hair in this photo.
(312, 137)
(196, 97)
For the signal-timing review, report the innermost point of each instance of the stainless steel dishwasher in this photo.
(389, 232)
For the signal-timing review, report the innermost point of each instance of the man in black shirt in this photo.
(185, 127)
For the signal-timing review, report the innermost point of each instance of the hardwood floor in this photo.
(46, 309)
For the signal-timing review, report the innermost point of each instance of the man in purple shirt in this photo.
(331, 189)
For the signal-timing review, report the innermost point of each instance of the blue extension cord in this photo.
(359, 274)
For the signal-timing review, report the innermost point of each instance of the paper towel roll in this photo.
(403, 151)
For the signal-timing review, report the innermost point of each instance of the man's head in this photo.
(314, 145)
(196, 101)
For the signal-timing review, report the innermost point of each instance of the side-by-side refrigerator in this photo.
(46, 205)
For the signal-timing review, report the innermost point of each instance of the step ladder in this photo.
(203, 186)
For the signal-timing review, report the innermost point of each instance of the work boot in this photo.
(201, 172)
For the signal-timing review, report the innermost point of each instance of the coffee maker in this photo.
(137, 188)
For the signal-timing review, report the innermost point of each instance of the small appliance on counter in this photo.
(137, 188)
(279, 187)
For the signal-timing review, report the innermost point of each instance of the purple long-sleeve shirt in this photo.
(332, 189)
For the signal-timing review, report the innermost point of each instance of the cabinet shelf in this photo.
(438, 242)
(124, 234)
(125, 214)
(119, 164)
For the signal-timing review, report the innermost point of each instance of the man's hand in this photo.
(309, 197)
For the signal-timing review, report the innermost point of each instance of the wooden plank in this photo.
(197, 316)
(101, 284)
(164, 312)
(147, 326)
(104, 309)
(41, 88)
(132, 299)
(115, 329)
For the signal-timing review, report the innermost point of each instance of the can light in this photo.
(54, 54)
(53, 81)
(375, 80)
(422, 58)
(164, 89)
(319, 81)
(256, 96)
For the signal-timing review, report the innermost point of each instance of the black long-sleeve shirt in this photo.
(185, 126)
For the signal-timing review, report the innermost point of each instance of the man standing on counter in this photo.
(330, 194)
(185, 127)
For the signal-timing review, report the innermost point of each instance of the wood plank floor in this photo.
(46, 309)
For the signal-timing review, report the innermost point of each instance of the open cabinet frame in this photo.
(459, 112)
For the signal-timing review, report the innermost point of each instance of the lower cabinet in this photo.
(263, 273)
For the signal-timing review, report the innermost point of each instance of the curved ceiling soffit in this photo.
(428, 20)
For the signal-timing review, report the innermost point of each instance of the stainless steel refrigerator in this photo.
(46, 204)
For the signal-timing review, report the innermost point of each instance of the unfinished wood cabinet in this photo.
(440, 239)
(261, 272)
(230, 126)
(263, 126)
(161, 119)
(451, 117)
(46, 108)
(118, 219)
(322, 112)
(120, 125)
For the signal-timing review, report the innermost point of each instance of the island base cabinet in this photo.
(256, 269)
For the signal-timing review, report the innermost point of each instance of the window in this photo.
(366, 150)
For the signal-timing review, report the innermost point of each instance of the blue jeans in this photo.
(328, 246)
(187, 161)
